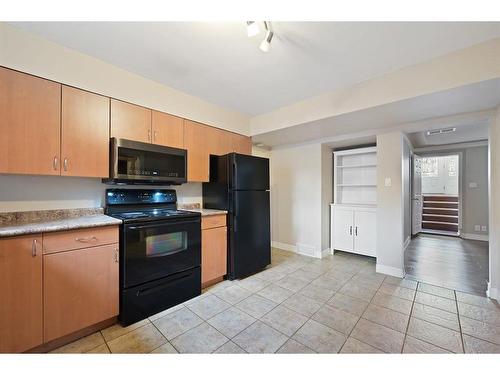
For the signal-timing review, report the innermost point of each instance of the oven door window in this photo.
(166, 244)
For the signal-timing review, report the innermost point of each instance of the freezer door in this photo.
(248, 172)
(249, 232)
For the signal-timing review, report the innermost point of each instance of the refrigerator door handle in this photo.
(235, 184)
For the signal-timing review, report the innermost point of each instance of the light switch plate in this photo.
(388, 181)
(483, 228)
(477, 228)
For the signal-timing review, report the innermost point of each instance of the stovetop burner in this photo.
(144, 205)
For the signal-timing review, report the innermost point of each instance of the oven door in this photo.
(158, 249)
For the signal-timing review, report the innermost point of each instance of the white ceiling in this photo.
(469, 133)
(217, 62)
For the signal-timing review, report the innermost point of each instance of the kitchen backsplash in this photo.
(29, 193)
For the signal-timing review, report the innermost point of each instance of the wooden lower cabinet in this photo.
(80, 289)
(213, 249)
(21, 293)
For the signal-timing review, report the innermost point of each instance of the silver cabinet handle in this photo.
(55, 162)
(149, 135)
(117, 257)
(33, 248)
(154, 135)
(65, 164)
(350, 230)
(86, 239)
(356, 231)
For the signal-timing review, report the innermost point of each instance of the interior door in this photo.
(365, 232)
(343, 222)
(417, 200)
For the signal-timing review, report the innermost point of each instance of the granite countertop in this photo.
(196, 207)
(28, 222)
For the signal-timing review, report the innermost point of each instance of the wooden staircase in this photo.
(440, 212)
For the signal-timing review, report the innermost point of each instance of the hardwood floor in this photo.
(450, 262)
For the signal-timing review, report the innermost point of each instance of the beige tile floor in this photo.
(338, 304)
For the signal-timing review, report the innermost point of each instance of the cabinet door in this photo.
(130, 121)
(30, 124)
(21, 296)
(365, 232)
(197, 140)
(213, 253)
(243, 144)
(80, 289)
(85, 134)
(343, 229)
(168, 130)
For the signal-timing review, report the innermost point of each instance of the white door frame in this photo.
(412, 195)
(461, 170)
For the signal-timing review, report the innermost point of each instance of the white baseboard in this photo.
(387, 270)
(493, 293)
(474, 236)
(308, 250)
(284, 246)
(302, 249)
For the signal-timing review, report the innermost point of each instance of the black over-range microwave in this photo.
(134, 162)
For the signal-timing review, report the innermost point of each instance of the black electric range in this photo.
(160, 251)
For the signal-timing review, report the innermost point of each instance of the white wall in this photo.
(28, 193)
(390, 256)
(299, 194)
(494, 199)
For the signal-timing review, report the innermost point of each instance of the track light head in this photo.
(266, 43)
(252, 28)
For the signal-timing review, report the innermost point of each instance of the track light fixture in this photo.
(253, 29)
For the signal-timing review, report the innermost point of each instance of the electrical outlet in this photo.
(473, 185)
(477, 228)
(483, 228)
(388, 181)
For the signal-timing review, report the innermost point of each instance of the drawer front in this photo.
(213, 221)
(79, 239)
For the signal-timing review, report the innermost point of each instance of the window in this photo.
(429, 167)
(452, 167)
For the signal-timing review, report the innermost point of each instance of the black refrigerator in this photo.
(239, 184)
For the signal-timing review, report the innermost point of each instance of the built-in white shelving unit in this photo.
(354, 211)
(355, 176)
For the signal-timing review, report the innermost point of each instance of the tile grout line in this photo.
(361, 316)
(409, 318)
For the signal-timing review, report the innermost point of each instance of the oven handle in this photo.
(145, 292)
(163, 224)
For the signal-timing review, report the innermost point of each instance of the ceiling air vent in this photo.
(441, 131)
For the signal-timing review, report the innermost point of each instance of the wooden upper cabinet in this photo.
(80, 289)
(85, 134)
(21, 293)
(30, 124)
(237, 143)
(243, 144)
(130, 121)
(196, 142)
(168, 130)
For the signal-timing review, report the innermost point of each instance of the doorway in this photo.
(436, 199)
